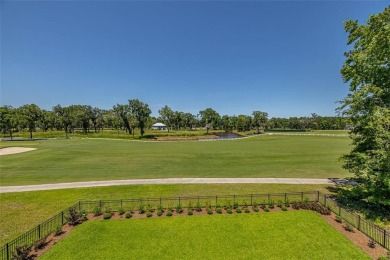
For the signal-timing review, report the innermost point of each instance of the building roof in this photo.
(159, 124)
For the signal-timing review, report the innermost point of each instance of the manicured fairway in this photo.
(86, 160)
(282, 235)
(19, 212)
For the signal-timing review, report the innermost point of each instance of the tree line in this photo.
(137, 115)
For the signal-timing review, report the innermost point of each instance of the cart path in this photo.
(4, 189)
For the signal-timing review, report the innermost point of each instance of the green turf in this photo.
(85, 160)
(282, 235)
(22, 211)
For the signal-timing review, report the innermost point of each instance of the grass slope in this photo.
(86, 160)
(22, 211)
(283, 235)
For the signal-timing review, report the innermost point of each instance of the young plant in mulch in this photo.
(169, 213)
(121, 211)
(255, 209)
(266, 208)
(228, 205)
(271, 204)
(190, 212)
(74, 217)
(209, 211)
(229, 211)
(218, 210)
(97, 211)
(159, 212)
(235, 205)
(22, 253)
(128, 214)
(280, 203)
(141, 208)
(372, 243)
(179, 208)
(283, 207)
(247, 210)
(245, 204)
(150, 208)
(238, 210)
(40, 243)
(107, 215)
(315, 206)
(198, 206)
(287, 203)
(58, 231)
(218, 205)
(190, 205)
(339, 219)
(149, 214)
(160, 207)
(348, 227)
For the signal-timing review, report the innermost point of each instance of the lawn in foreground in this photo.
(90, 160)
(21, 211)
(277, 235)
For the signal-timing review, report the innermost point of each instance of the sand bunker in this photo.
(13, 150)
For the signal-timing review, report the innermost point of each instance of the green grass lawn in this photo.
(281, 235)
(22, 211)
(86, 160)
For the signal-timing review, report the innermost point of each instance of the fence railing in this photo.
(380, 235)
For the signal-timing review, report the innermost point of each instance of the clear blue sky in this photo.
(282, 57)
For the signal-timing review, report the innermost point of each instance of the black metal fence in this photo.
(380, 235)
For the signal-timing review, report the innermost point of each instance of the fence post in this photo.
(268, 197)
(384, 238)
(100, 204)
(359, 223)
(79, 206)
(179, 200)
(234, 198)
(7, 251)
(121, 203)
(318, 195)
(325, 200)
(301, 196)
(340, 212)
(285, 197)
(251, 199)
(62, 218)
(160, 202)
(216, 200)
(39, 231)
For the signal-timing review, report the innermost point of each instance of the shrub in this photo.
(40, 243)
(179, 208)
(107, 210)
(74, 217)
(22, 253)
(247, 210)
(209, 211)
(198, 206)
(271, 204)
(284, 208)
(266, 209)
(228, 204)
(149, 214)
(97, 211)
(315, 206)
(255, 209)
(235, 204)
(141, 209)
(280, 203)
(58, 231)
(238, 210)
(160, 207)
(255, 204)
(107, 215)
(229, 211)
(190, 212)
(217, 205)
(383, 258)
(159, 212)
(372, 243)
(121, 211)
(169, 213)
(83, 218)
(150, 208)
(218, 210)
(287, 202)
(128, 215)
(306, 200)
(190, 206)
(245, 204)
(348, 227)
(339, 219)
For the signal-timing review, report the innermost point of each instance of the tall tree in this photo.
(367, 70)
(259, 120)
(209, 118)
(141, 112)
(122, 112)
(166, 115)
(30, 114)
(8, 119)
(66, 117)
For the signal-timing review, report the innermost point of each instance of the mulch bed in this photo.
(357, 237)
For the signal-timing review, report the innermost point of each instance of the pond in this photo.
(227, 135)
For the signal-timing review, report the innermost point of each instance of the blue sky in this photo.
(282, 57)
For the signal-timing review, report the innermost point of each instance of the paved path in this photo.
(56, 186)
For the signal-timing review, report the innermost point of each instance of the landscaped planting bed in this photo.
(276, 235)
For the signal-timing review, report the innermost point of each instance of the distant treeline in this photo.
(137, 114)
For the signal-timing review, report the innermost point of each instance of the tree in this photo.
(141, 112)
(8, 119)
(166, 115)
(66, 118)
(367, 70)
(30, 115)
(259, 120)
(122, 112)
(209, 118)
